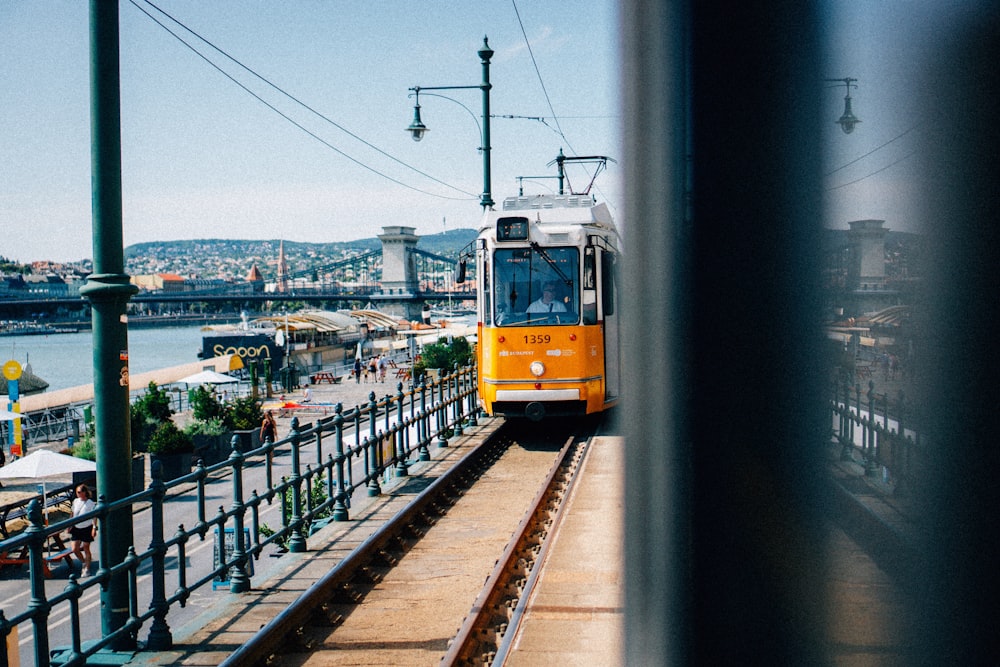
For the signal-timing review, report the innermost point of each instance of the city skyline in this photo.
(203, 158)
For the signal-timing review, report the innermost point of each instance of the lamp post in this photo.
(417, 129)
(848, 120)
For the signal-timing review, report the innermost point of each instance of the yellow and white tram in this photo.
(547, 317)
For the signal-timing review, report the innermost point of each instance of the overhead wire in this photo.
(869, 153)
(555, 117)
(877, 171)
(874, 150)
(299, 102)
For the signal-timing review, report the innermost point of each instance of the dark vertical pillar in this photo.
(959, 590)
(724, 547)
(109, 291)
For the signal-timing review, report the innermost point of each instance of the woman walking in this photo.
(83, 532)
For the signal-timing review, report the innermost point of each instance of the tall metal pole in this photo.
(418, 129)
(485, 54)
(109, 291)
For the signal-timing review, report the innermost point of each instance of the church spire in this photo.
(282, 269)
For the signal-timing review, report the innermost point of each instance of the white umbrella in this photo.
(44, 463)
(208, 377)
(8, 416)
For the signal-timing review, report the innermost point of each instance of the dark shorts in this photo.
(82, 534)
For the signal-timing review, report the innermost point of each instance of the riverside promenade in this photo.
(870, 531)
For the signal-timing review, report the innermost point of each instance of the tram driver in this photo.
(549, 302)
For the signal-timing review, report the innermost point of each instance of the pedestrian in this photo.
(307, 394)
(268, 428)
(372, 369)
(83, 532)
(357, 370)
(383, 365)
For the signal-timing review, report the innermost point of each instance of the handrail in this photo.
(396, 428)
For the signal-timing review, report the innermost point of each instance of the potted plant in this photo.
(146, 413)
(173, 448)
(211, 440)
(243, 416)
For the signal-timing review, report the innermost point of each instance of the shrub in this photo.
(84, 448)
(154, 405)
(243, 413)
(168, 439)
(152, 408)
(205, 406)
(445, 355)
(213, 426)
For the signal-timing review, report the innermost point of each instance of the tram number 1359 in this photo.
(538, 339)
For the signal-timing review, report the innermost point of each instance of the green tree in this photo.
(445, 355)
(205, 406)
(243, 413)
(150, 409)
(168, 439)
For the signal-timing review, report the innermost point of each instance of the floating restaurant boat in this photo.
(311, 339)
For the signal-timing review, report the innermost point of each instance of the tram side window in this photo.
(536, 286)
(487, 294)
(589, 286)
(608, 283)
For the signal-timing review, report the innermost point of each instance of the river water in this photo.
(67, 360)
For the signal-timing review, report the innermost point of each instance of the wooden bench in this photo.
(325, 376)
(56, 551)
(48, 559)
(54, 557)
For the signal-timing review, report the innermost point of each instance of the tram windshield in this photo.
(536, 285)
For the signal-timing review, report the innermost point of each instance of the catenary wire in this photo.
(297, 101)
(874, 150)
(877, 171)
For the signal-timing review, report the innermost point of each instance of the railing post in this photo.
(423, 430)
(855, 423)
(38, 604)
(340, 512)
(374, 488)
(442, 415)
(458, 401)
(400, 429)
(471, 374)
(871, 465)
(239, 580)
(297, 541)
(901, 462)
(160, 637)
(202, 525)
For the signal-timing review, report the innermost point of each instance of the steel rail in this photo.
(485, 635)
(283, 628)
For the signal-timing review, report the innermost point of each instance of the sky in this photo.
(202, 158)
(879, 171)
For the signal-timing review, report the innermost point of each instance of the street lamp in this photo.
(848, 120)
(417, 129)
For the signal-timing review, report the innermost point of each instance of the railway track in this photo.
(413, 592)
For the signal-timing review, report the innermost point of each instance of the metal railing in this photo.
(878, 428)
(352, 450)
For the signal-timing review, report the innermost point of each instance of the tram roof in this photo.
(577, 209)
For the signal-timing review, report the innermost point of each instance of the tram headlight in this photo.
(537, 368)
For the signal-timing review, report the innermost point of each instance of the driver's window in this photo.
(536, 286)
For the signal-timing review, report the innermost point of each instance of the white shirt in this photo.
(82, 506)
(551, 307)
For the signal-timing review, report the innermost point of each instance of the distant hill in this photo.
(233, 258)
